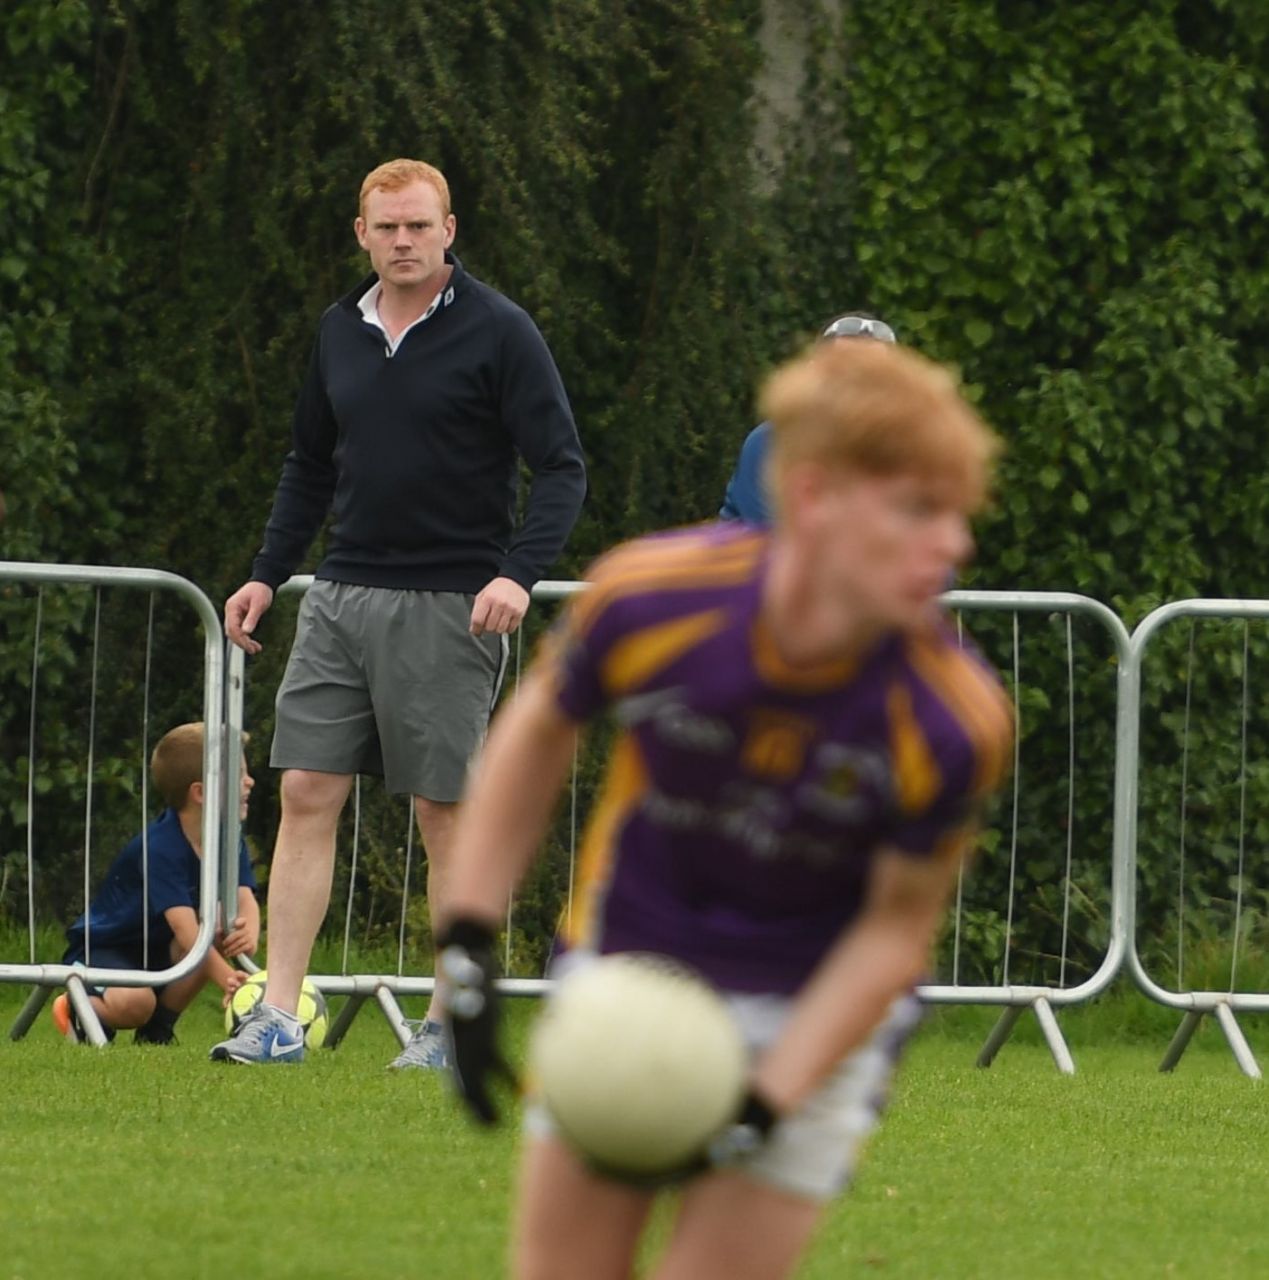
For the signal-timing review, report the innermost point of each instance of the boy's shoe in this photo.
(67, 1021)
(266, 1035)
(64, 1019)
(154, 1035)
(425, 1051)
(161, 1028)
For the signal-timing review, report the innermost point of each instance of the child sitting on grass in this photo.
(114, 934)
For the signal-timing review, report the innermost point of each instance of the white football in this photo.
(638, 1061)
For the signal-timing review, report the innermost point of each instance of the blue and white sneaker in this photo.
(265, 1035)
(425, 1050)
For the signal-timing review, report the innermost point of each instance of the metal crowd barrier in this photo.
(77, 979)
(223, 714)
(1225, 1004)
(1016, 998)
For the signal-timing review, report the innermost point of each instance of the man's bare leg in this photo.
(436, 827)
(300, 878)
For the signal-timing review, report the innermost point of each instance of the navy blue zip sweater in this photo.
(416, 452)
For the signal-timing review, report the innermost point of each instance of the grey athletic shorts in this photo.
(388, 682)
(813, 1151)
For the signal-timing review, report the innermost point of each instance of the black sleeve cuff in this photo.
(465, 932)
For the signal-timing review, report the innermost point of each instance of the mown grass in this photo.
(151, 1162)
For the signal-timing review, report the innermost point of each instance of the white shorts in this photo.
(812, 1152)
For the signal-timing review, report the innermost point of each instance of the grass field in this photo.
(147, 1162)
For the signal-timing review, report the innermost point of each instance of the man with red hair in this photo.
(425, 390)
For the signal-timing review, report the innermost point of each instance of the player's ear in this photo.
(802, 486)
(194, 795)
(451, 227)
(359, 230)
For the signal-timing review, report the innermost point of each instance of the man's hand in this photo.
(243, 610)
(239, 941)
(470, 1003)
(499, 608)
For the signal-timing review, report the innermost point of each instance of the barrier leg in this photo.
(29, 1012)
(1237, 1041)
(89, 1023)
(999, 1034)
(339, 1028)
(392, 1011)
(1053, 1037)
(1180, 1041)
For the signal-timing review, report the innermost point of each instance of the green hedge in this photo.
(1066, 201)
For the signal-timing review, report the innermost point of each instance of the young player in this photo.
(805, 750)
(112, 933)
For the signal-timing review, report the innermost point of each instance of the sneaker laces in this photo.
(251, 1030)
(426, 1039)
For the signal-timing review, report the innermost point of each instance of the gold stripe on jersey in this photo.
(957, 845)
(623, 788)
(976, 700)
(671, 563)
(983, 714)
(917, 775)
(680, 544)
(637, 657)
(770, 664)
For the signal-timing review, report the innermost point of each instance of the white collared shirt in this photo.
(369, 308)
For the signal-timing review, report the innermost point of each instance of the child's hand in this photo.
(233, 981)
(238, 941)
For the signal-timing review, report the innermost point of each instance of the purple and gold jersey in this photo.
(746, 800)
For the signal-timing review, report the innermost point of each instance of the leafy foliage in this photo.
(1068, 202)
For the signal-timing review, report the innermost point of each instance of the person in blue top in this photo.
(145, 915)
(746, 497)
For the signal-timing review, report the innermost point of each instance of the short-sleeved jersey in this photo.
(747, 800)
(116, 913)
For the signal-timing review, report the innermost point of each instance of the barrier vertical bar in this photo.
(231, 826)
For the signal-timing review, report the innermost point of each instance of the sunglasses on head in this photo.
(859, 327)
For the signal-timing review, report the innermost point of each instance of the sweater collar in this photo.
(453, 289)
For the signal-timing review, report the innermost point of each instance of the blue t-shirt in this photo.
(746, 497)
(117, 910)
